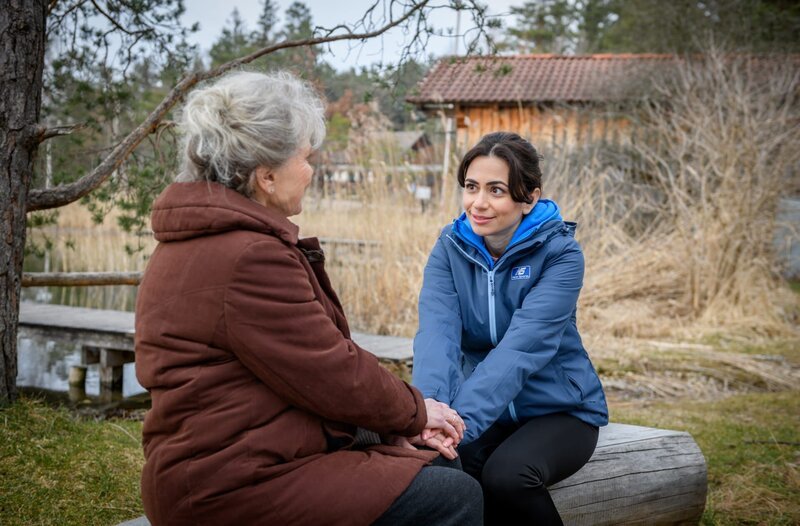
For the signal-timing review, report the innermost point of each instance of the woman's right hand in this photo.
(442, 417)
(436, 442)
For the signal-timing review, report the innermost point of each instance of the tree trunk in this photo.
(22, 43)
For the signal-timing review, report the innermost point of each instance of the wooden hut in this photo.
(549, 99)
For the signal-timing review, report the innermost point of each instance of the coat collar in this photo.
(189, 210)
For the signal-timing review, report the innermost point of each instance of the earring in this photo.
(271, 189)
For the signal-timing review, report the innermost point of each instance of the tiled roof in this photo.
(538, 78)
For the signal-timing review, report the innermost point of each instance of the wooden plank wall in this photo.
(545, 127)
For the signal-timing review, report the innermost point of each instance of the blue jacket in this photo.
(499, 340)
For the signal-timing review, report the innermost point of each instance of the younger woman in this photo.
(498, 340)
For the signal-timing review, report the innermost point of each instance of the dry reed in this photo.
(639, 368)
(677, 230)
(379, 293)
(681, 243)
(80, 245)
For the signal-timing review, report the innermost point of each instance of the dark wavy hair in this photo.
(524, 174)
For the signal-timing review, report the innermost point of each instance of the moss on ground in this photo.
(56, 468)
(752, 445)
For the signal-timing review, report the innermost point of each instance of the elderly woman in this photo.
(498, 338)
(257, 389)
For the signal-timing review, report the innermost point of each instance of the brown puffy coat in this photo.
(257, 388)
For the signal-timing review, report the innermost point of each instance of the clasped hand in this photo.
(443, 431)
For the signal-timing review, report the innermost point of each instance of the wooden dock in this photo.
(106, 339)
(109, 329)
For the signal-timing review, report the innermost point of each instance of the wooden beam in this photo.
(79, 279)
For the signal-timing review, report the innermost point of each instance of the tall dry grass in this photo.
(379, 288)
(677, 228)
(682, 242)
(77, 244)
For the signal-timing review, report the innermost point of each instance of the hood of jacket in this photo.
(544, 211)
(189, 210)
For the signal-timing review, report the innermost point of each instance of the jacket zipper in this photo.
(493, 331)
(467, 255)
(512, 411)
(490, 289)
(492, 322)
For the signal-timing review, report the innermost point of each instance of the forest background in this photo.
(685, 310)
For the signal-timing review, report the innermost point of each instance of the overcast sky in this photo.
(212, 16)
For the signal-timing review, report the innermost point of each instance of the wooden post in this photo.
(111, 377)
(76, 394)
(77, 376)
(447, 121)
(110, 380)
(111, 363)
(90, 355)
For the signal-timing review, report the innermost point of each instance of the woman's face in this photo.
(491, 211)
(283, 187)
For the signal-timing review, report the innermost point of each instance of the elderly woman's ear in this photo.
(265, 180)
(263, 185)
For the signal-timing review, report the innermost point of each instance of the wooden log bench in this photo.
(637, 475)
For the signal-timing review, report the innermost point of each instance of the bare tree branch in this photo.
(43, 133)
(43, 199)
(114, 21)
(58, 20)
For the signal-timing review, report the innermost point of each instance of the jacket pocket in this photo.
(570, 385)
(577, 387)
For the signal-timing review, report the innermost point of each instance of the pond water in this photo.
(45, 364)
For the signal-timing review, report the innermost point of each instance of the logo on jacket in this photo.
(521, 272)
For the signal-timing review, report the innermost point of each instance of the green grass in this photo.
(752, 446)
(56, 468)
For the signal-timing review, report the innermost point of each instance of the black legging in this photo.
(515, 464)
